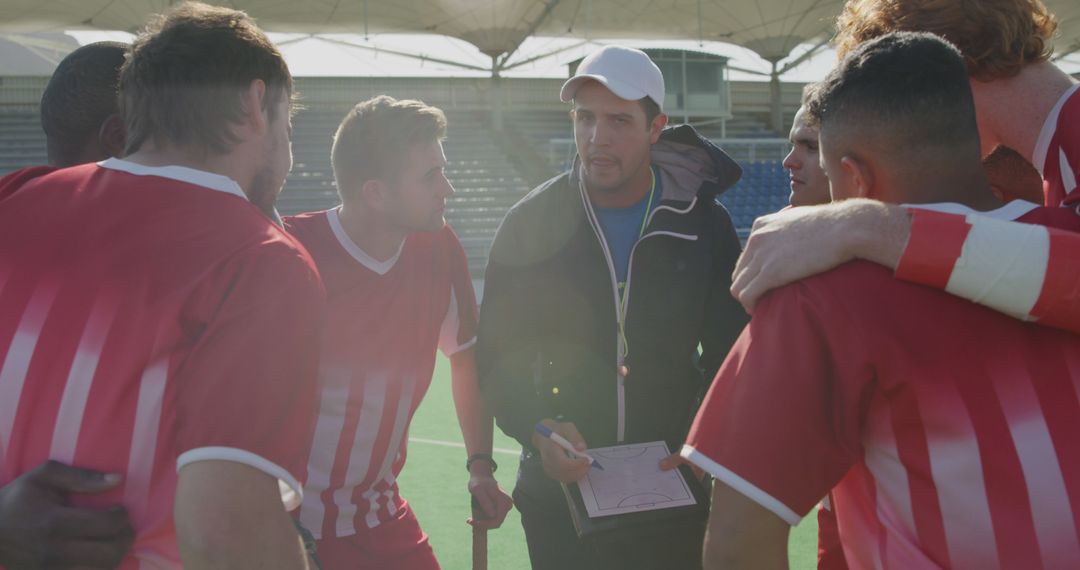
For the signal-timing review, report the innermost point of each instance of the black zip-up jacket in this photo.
(549, 343)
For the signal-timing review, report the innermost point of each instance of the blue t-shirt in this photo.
(622, 228)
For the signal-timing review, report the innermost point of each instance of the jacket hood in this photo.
(688, 163)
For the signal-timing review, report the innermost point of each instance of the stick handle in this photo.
(479, 548)
(479, 539)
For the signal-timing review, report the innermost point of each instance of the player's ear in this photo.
(656, 127)
(859, 174)
(255, 110)
(373, 193)
(113, 135)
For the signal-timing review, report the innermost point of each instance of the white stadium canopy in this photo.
(497, 27)
(770, 28)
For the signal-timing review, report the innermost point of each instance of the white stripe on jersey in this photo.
(367, 432)
(401, 424)
(1002, 265)
(372, 498)
(371, 519)
(391, 508)
(1068, 177)
(292, 494)
(736, 482)
(17, 361)
(1049, 127)
(1051, 516)
(893, 489)
(328, 428)
(80, 377)
(961, 491)
(145, 433)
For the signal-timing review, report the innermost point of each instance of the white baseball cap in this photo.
(627, 72)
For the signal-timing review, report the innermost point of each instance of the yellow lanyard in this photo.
(621, 313)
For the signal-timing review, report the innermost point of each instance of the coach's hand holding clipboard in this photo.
(558, 464)
(568, 447)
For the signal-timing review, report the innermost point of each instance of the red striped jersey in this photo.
(385, 321)
(1037, 275)
(946, 431)
(151, 318)
(1057, 151)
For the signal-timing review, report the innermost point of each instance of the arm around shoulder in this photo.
(800, 242)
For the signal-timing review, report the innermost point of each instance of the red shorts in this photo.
(398, 544)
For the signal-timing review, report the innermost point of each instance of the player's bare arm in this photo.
(743, 534)
(476, 429)
(799, 242)
(230, 516)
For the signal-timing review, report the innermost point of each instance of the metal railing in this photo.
(753, 150)
(560, 151)
(21, 93)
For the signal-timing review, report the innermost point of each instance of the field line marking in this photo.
(459, 445)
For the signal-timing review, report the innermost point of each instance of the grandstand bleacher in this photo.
(23, 142)
(485, 182)
(762, 190)
(483, 171)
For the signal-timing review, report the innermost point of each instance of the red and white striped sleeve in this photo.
(1030, 272)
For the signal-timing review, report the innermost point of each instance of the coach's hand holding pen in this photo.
(564, 460)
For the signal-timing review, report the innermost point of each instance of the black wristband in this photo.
(481, 457)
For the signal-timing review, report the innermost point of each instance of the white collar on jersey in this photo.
(179, 173)
(380, 267)
(1042, 144)
(1009, 212)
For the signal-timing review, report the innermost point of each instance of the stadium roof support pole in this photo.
(774, 100)
(505, 67)
(776, 106)
(496, 96)
(499, 63)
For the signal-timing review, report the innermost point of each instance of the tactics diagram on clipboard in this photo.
(632, 481)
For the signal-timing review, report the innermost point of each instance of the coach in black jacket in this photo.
(564, 342)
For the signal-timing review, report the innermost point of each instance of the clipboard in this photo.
(645, 522)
